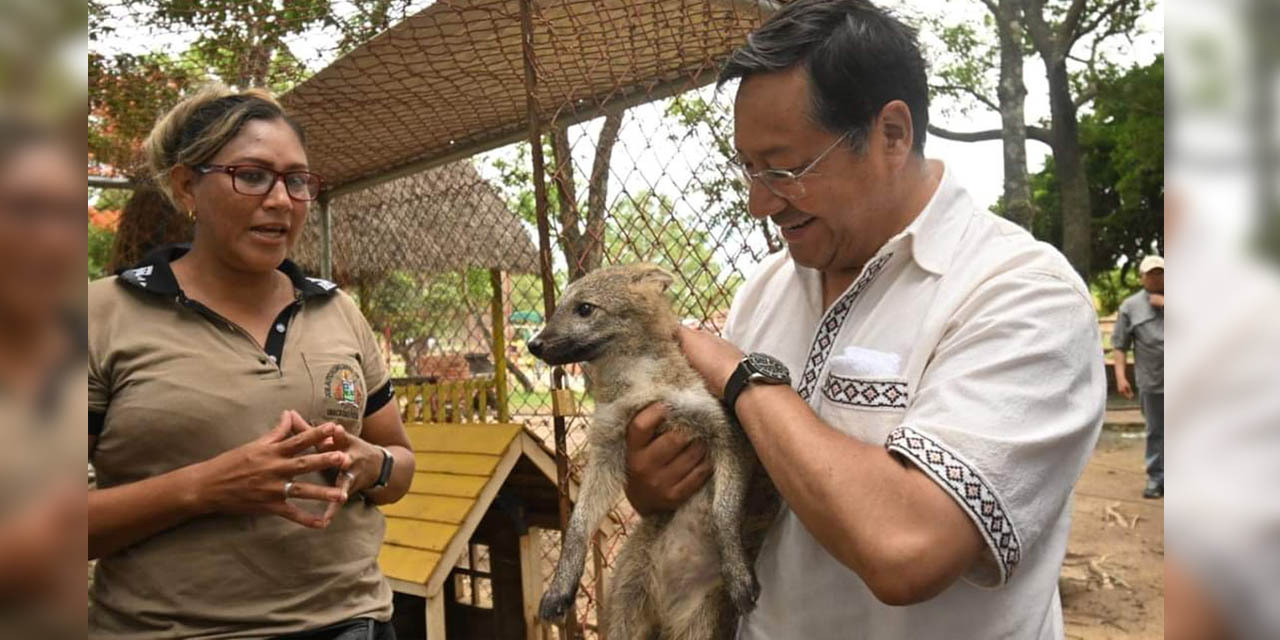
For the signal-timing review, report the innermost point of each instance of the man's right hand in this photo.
(662, 470)
(1123, 386)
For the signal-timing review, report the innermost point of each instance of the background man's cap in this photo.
(1150, 262)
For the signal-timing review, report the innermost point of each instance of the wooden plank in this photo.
(498, 325)
(463, 463)
(440, 392)
(530, 581)
(435, 617)
(483, 439)
(409, 565)
(416, 534)
(436, 508)
(435, 581)
(447, 484)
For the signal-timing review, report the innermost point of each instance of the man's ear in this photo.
(647, 274)
(182, 182)
(894, 123)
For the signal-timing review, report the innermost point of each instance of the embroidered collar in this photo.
(154, 275)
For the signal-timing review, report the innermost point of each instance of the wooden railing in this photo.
(449, 401)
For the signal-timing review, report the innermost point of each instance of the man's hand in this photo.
(662, 470)
(714, 358)
(1156, 300)
(1123, 386)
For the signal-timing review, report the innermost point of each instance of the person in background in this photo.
(1140, 325)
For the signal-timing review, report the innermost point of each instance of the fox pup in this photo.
(680, 575)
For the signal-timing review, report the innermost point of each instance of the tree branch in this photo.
(1033, 14)
(1093, 24)
(1067, 30)
(974, 93)
(1040, 134)
(598, 186)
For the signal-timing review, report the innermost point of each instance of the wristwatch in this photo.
(756, 368)
(384, 476)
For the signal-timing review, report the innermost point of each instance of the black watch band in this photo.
(755, 367)
(384, 476)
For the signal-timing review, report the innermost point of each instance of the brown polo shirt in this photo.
(171, 383)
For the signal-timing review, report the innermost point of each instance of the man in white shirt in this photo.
(947, 381)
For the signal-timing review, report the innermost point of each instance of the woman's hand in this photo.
(251, 479)
(366, 458)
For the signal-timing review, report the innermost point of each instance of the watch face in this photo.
(769, 367)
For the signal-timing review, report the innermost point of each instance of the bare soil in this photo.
(1113, 577)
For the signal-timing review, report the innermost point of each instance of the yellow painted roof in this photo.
(454, 462)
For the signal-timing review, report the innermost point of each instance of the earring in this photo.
(191, 214)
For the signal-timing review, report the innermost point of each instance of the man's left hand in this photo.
(714, 358)
(1156, 299)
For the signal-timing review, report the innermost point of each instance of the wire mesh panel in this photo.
(418, 114)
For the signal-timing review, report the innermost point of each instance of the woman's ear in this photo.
(182, 181)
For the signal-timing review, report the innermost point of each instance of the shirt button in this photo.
(273, 359)
(279, 327)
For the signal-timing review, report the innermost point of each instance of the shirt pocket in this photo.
(339, 392)
(865, 407)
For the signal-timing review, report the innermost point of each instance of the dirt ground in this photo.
(1113, 578)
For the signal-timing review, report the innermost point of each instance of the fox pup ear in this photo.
(652, 275)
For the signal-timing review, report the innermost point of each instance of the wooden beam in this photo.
(435, 617)
(462, 538)
(530, 581)
(499, 346)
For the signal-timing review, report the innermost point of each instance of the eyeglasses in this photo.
(253, 180)
(781, 182)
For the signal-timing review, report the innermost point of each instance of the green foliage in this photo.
(1111, 287)
(100, 242)
(1123, 139)
(647, 229)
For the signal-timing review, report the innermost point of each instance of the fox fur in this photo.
(684, 575)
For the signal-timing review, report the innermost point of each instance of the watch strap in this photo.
(388, 462)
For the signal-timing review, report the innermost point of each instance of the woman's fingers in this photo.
(310, 491)
(305, 440)
(281, 430)
(317, 462)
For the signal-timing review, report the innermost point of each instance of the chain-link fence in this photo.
(445, 222)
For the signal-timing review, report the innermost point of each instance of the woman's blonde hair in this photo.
(195, 129)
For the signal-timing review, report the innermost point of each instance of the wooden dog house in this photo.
(480, 492)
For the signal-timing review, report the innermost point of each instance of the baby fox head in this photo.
(611, 310)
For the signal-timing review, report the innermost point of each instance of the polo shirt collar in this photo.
(154, 275)
(936, 231)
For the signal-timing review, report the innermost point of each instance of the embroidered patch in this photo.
(342, 385)
(969, 489)
(865, 392)
(829, 328)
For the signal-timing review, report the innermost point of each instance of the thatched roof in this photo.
(442, 219)
(448, 82)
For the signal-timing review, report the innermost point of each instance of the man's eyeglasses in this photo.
(781, 182)
(253, 180)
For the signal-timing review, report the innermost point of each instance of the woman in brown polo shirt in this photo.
(221, 512)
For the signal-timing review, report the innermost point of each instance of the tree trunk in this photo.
(1012, 94)
(1053, 44)
(583, 244)
(1068, 158)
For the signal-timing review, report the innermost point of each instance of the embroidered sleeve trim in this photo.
(832, 322)
(973, 493)
(866, 392)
